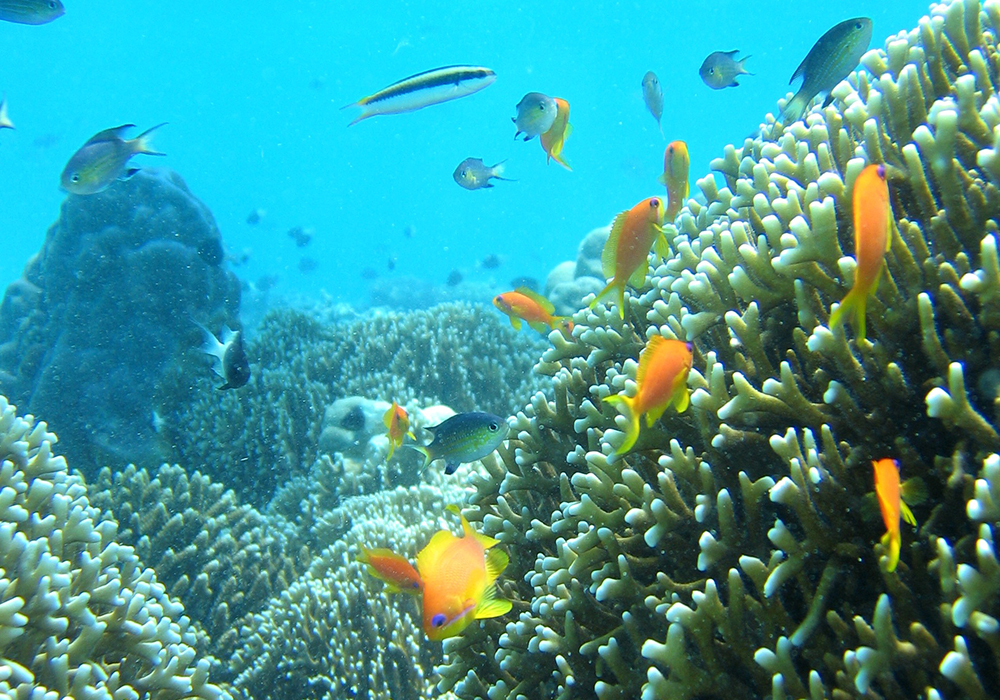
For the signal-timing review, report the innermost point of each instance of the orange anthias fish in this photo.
(661, 381)
(554, 139)
(890, 501)
(676, 164)
(398, 423)
(872, 217)
(536, 310)
(459, 575)
(397, 573)
(626, 253)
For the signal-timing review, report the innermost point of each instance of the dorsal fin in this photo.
(654, 346)
(537, 298)
(114, 134)
(610, 254)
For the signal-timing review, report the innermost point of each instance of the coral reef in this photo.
(80, 616)
(104, 310)
(570, 282)
(461, 355)
(770, 470)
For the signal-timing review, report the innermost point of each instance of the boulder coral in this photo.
(729, 553)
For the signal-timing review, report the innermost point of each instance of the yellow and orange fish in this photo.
(661, 381)
(625, 256)
(890, 501)
(554, 139)
(527, 305)
(398, 574)
(397, 422)
(872, 229)
(459, 575)
(676, 164)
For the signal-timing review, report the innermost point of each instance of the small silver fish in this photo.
(721, 68)
(31, 11)
(230, 358)
(5, 122)
(829, 61)
(652, 93)
(535, 114)
(104, 159)
(473, 174)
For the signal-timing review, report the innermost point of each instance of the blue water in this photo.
(253, 95)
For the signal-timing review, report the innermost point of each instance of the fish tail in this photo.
(892, 541)
(795, 108)
(625, 405)
(612, 286)
(392, 449)
(425, 452)
(559, 159)
(855, 304)
(142, 143)
(5, 122)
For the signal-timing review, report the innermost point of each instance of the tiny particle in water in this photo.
(307, 265)
(454, 278)
(301, 236)
(391, 264)
(369, 273)
(490, 262)
(254, 217)
(529, 282)
(410, 231)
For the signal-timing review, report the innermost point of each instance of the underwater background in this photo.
(206, 486)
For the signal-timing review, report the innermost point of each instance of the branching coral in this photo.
(79, 615)
(769, 471)
(456, 354)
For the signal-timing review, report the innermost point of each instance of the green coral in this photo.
(770, 469)
(79, 614)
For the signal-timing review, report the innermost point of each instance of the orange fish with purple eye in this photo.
(398, 574)
(397, 422)
(891, 503)
(872, 239)
(531, 307)
(676, 165)
(660, 382)
(626, 254)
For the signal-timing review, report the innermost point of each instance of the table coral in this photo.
(728, 553)
(79, 614)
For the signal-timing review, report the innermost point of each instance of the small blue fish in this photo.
(31, 11)
(463, 438)
(721, 68)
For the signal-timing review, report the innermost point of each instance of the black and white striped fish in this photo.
(423, 89)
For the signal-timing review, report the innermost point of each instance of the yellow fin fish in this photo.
(661, 382)
(397, 422)
(554, 139)
(530, 306)
(676, 164)
(398, 574)
(459, 575)
(891, 503)
(626, 254)
(872, 228)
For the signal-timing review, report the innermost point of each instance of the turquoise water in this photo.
(252, 94)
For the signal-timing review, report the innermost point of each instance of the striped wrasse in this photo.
(423, 89)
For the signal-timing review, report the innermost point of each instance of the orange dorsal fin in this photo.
(654, 346)
(544, 303)
(610, 255)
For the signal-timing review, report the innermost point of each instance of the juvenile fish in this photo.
(463, 438)
(535, 114)
(473, 174)
(31, 11)
(829, 61)
(424, 89)
(652, 93)
(721, 68)
(104, 159)
(230, 358)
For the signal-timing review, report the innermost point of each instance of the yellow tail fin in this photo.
(624, 404)
(855, 304)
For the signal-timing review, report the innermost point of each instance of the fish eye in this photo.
(75, 177)
(857, 25)
(494, 427)
(654, 203)
(52, 4)
(711, 71)
(438, 620)
(881, 171)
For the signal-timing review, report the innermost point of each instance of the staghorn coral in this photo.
(80, 616)
(221, 559)
(255, 438)
(768, 472)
